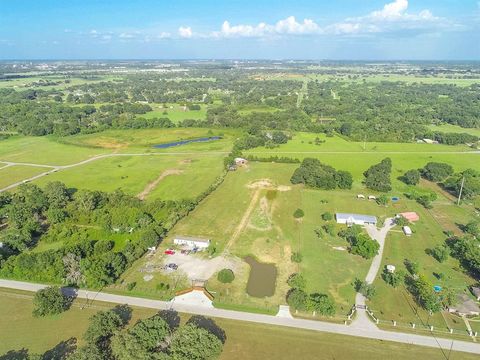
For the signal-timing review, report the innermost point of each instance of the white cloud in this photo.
(392, 17)
(288, 26)
(185, 32)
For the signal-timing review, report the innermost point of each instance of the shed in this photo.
(476, 292)
(360, 196)
(411, 216)
(407, 231)
(240, 161)
(355, 219)
(372, 197)
(390, 268)
(465, 306)
(195, 243)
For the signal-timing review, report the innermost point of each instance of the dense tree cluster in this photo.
(298, 299)
(360, 243)
(377, 177)
(315, 174)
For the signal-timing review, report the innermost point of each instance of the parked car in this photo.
(169, 252)
(172, 266)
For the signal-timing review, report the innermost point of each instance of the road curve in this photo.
(442, 344)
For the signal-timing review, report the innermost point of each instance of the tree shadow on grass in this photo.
(171, 317)
(209, 325)
(15, 355)
(62, 350)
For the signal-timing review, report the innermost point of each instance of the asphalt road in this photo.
(372, 332)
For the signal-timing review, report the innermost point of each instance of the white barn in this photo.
(355, 219)
(407, 230)
(191, 242)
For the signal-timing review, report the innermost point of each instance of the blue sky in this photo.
(300, 29)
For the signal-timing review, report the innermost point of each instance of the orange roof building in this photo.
(410, 216)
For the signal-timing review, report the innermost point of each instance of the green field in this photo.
(244, 340)
(12, 174)
(454, 129)
(175, 113)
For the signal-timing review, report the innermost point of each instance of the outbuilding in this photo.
(360, 196)
(191, 242)
(407, 230)
(411, 216)
(240, 161)
(391, 268)
(372, 197)
(355, 219)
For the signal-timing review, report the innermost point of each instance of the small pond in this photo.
(183, 142)
(261, 282)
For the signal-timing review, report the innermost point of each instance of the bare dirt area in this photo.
(198, 268)
(154, 183)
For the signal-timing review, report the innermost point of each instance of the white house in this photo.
(194, 243)
(407, 231)
(355, 219)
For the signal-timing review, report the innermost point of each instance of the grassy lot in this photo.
(25, 83)
(12, 174)
(244, 340)
(176, 113)
(190, 175)
(454, 129)
(44, 150)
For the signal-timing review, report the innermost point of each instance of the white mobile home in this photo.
(407, 230)
(194, 243)
(355, 219)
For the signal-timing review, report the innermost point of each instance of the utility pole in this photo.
(365, 142)
(461, 189)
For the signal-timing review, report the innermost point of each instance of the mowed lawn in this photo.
(455, 129)
(44, 150)
(244, 340)
(176, 113)
(13, 174)
(188, 175)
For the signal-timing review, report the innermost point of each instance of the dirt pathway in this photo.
(245, 218)
(154, 183)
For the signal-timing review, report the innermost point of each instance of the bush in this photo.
(437, 172)
(50, 301)
(297, 299)
(364, 288)
(298, 214)
(296, 281)
(226, 276)
(440, 253)
(411, 177)
(296, 257)
(327, 216)
(393, 279)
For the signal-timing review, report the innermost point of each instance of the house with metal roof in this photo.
(465, 306)
(194, 243)
(355, 219)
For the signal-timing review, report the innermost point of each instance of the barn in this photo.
(355, 219)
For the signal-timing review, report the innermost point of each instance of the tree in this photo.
(150, 332)
(412, 267)
(321, 303)
(364, 246)
(393, 278)
(424, 294)
(377, 177)
(73, 273)
(411, 177)
(87, 352)
(57, 194)
(50, 301)
(401, 221)
(440, 253)
(194, 343)
(102, 326)
(296, 281)
(297, 299)
(473, 228)
(298, 214)
(327, 216)
(315, 174)
(364, 288)
(226, 276)
(344, 179)
(435, 171)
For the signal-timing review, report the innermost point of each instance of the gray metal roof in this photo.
(358, 217)
(188, 238)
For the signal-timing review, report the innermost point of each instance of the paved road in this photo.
(362, 320)
(55, 168)
(443, 345)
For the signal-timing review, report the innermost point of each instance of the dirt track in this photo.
(153, 184)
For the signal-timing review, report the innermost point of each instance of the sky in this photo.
(246, 29)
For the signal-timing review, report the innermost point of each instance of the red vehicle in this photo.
(169, 252)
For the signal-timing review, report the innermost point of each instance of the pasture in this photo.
(176, 112)
(245, 340)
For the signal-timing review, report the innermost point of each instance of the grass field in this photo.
(12, 174)
(454, 129)
(244, 340)
(175, 113)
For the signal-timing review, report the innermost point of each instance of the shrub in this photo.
(298, 214)
(364, 288)
(437, 172)
(411, 177)
(297, 299)
(296, 281)
(226, 276)
(327, 216)
(296, 257)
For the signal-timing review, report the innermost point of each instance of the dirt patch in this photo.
(339, 248)
(154, 183)
(110, 144)
(185, 161)
(284, 188)
(260, 184)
